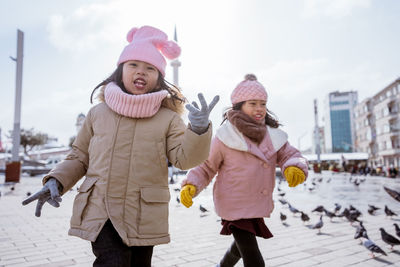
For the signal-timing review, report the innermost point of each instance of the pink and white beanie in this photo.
(249, 89)
(150, 45)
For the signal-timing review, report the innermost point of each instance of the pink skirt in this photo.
(256, 226)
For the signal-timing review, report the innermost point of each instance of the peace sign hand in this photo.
(198, 117)
(49, 193)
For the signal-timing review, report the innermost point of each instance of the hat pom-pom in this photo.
(131, 33)
(250, 77)
(170, 49)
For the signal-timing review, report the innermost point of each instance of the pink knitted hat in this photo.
(149, 44)
(249, 89)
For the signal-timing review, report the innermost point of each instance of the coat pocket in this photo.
(81, 200)
(153, 219)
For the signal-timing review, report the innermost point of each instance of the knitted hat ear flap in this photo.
(131, 33)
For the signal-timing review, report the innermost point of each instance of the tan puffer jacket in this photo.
(125, 164)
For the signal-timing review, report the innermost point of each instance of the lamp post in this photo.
(316, 136)
(13, 168)
(299, 139)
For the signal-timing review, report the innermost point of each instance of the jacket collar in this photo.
(274, 139)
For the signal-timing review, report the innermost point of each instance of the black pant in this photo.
(244, 246)
(110, 251)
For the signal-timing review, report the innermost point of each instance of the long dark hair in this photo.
(175, 101)
(270, 117)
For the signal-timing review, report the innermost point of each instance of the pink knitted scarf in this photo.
(134, 106)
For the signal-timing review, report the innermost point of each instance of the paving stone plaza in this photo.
(195, 240)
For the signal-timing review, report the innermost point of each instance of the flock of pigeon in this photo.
(350, 213)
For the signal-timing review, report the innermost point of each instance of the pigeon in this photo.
(337, 208)
(282, 194)
(389, 212)
(397, 229)
(361, 232)
(304, 217)
(177, 189)
(178, 200)
(283, 217)
(371, 246)
(372, 209)
(202, 209)
(351, 208)
(351, 215)
(319, 208)
(388, 238)
(329, 214)
(282, 201)
(394, 194)
(293, 209)
(311, 189)
(318, 225)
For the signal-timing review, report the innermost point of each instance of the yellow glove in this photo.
(294, 176)
(187, 193)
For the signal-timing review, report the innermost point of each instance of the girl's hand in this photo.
(187, 193)
(50, 193)
(294, 176)
(199, 117)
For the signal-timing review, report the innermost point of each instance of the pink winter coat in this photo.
(246, 171)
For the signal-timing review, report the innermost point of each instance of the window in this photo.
(385, 112)
(386, 128)
(368, 136)
(336, 103)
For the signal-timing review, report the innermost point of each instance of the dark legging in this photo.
(110, 251)
(244, 246)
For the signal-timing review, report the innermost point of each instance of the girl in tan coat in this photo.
(123, 149)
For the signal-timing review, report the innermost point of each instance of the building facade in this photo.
(339, 121)
(378, 126)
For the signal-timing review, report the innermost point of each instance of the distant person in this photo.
(123, 148)
(367, 170)
(392, 171)
(244, 153)
(343, 163)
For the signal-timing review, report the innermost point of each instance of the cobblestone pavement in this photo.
(29, 241)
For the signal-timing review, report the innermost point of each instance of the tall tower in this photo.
(79, 122)
(176, 64)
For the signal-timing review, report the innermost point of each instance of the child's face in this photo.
(139, 77)
(257, 109)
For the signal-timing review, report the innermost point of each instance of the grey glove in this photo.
(50, 193)
(199, 117)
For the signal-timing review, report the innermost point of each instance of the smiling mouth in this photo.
(139, 83)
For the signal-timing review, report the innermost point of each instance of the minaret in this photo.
(79, 122)
(176, 64)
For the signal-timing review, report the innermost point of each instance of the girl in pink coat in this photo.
(243, 157)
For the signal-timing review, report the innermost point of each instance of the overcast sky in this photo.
(299, 50)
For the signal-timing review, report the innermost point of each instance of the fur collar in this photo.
(233, 138)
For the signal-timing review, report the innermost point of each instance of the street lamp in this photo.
(13, 168)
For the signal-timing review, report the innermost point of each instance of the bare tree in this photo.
(30, 139)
